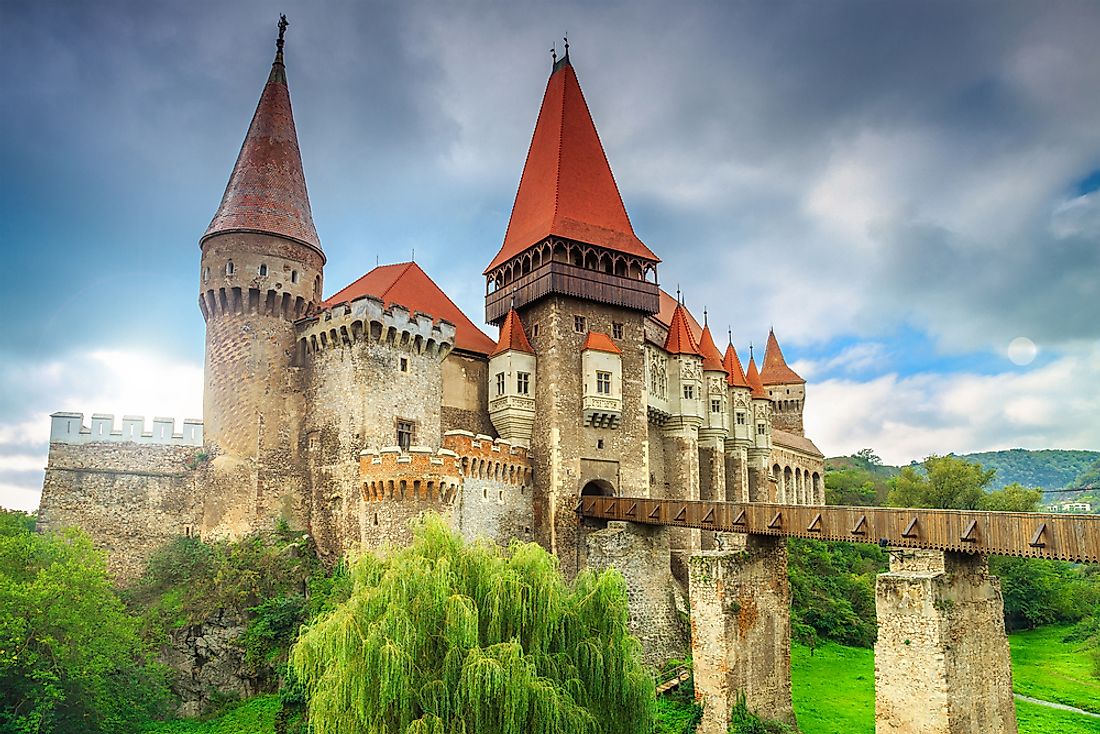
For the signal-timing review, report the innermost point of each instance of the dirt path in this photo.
(1052, 705)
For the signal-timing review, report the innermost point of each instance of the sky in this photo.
(908, 192)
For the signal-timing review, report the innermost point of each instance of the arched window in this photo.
(263, 269)
(317, 287)
(293, 276)
(206, 274)
(229, 268)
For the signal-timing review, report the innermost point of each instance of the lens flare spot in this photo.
(1022, 351)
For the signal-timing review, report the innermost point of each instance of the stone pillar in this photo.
(941, 659)
(712, 476)
(682, 471)
(640, 553)
(737, 472)
(759, 489)
(741, 632)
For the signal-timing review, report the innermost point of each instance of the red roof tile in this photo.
(712, 358)
(733, 367)
(753, 378)
(267, 188)
(512, 336)
(680, 340)
(600, 342)
(775, 370)
(668, 307)
(407, 285)
(567, 188)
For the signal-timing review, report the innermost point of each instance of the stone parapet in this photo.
(70, 428)
(369, 318)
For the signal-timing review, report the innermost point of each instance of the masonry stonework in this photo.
(941, 659)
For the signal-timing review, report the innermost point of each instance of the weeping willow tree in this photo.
(445, 637)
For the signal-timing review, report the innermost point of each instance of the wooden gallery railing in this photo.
(1025, 534)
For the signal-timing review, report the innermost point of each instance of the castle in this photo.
(350, 415)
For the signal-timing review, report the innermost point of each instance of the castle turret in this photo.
(760, 489)
(741, 426)
(786, 389)
(261, 269)
(512, 383)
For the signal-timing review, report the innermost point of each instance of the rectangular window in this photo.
(715, 406)
(603, 383)
(760, 430)
(535, 330)
(617, 331)
(523, 383)
(404, 364)
(406, 432)
(689, 392)
(500, 384)
(580, 324)
(740, 418)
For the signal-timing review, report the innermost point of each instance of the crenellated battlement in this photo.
(70, 428)
(368, 318)
(279, 303)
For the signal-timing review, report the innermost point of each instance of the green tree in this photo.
(71, 658)
(447, 637)
(945, 482)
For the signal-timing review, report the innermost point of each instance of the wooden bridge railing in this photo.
(1024, 534)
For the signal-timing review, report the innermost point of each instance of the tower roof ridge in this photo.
(567, 188)
(512, 335)
(267, 188)
(775, 370)
(680, 340)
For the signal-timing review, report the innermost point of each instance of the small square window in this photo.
(715, 406)
(603, 383)
(523, 383)
(689, 392)
(617, 331)
(500, 383)
(404, 364)
(406, 432)
(599, 443)
(580, 324)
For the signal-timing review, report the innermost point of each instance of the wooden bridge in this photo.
(1024, 534)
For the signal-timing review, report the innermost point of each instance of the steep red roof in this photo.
(567, 188)
(407, 285)
(668, 307)
(680, 340)
(733, 368)
(512, 336)
(267, 188)
(753, 378)
(775, 370)
(600, 342)
(712, 358)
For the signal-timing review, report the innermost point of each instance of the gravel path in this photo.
(1052, 705)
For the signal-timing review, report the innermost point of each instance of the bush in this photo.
(743, 721)
(71, 658)
(445, 636)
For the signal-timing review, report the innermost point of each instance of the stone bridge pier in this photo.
(941, 660)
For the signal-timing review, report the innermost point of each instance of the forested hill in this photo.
(1046, 469)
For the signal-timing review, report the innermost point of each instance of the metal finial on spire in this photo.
(750, 351)
(554, 54)
(283, 23)
(705, 316)
(678, 299)
(566, 39)
(729, 331)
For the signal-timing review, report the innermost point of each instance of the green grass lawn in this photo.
(254, 716)
(1043, 666)
(834, 689)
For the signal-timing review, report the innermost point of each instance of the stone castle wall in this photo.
(131, 497)
(466, 394)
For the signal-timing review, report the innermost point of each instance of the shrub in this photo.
(743, 721)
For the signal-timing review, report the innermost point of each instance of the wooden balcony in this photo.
(569, 280)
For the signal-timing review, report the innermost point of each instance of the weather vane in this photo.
(282, 30)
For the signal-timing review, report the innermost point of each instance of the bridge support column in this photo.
(941, 660)
(741, 632)
(640, 553)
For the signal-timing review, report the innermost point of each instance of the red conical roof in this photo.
(512, 335)
(776, 371)
(567, 188)
(406, 284)
(600, 342)
(680, 340)
(733, 368)
(267, 189)
(712, 358)
(753, 378)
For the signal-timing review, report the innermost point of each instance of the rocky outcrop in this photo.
(209, 665)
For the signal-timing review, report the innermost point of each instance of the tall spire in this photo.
(732, 363)
(267, 188)
(680, 340)
(567, 188)
(775, 370)
(712, 358)
(753, 378)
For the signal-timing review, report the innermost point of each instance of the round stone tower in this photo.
(261, 269)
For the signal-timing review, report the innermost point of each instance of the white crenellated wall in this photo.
(70, 428)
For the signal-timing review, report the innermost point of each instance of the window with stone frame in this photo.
(689, 392)
(603, 383)
(715, 406)
(740, 418)
(523, 383)
(616, 331)
(500, 384)
(580, 324)
(406, 433)
(760, 429)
